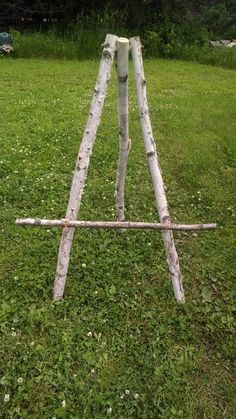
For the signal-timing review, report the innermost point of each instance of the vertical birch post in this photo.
(150, 146)
(82, 162)
(124, 142)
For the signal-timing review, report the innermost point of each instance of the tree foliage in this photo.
(218, 16)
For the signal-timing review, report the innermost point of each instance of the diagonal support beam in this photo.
(158, 184)
(82, 163)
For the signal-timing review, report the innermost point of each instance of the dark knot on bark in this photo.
(123, 79)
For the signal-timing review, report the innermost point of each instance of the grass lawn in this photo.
(118, 345)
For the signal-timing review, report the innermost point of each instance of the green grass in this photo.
(173, 360)
(82, 43)
(76, 44)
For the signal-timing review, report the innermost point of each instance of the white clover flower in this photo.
(109, 410)
(127, 392)
(83, 265)
(20, 380)
(136, 395)
(6, 397)
(121, 396)
(63, 403)
(89, 334)
(92, 371)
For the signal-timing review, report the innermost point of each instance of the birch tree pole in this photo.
(150, 146)
(37, 222)
(123, 123)
(82, 162)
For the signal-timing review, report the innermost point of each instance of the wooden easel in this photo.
(121, 46)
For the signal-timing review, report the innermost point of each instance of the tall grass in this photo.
(49, 45)
(82, 43)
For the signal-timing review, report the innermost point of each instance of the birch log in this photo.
(36, 222)
(150, 146)
(83, 162)
(124, 143)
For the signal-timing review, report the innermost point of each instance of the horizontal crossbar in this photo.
(112, 224)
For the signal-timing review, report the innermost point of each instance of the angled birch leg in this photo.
(83, 162)
(124, 142)
(150, 146)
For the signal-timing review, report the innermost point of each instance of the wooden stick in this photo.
(124, 142)
(82, 163)
(150, 146)
(112, 224)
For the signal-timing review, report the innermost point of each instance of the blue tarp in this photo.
(5, 43)
(5, 38)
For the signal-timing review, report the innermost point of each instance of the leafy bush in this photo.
(186, 42)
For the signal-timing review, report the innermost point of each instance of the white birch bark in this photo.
(83, 162)
(150, 146)
(124, 142)
(112, 224)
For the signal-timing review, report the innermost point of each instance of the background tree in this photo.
(218, 16)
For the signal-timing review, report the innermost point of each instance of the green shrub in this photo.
(186, 42)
